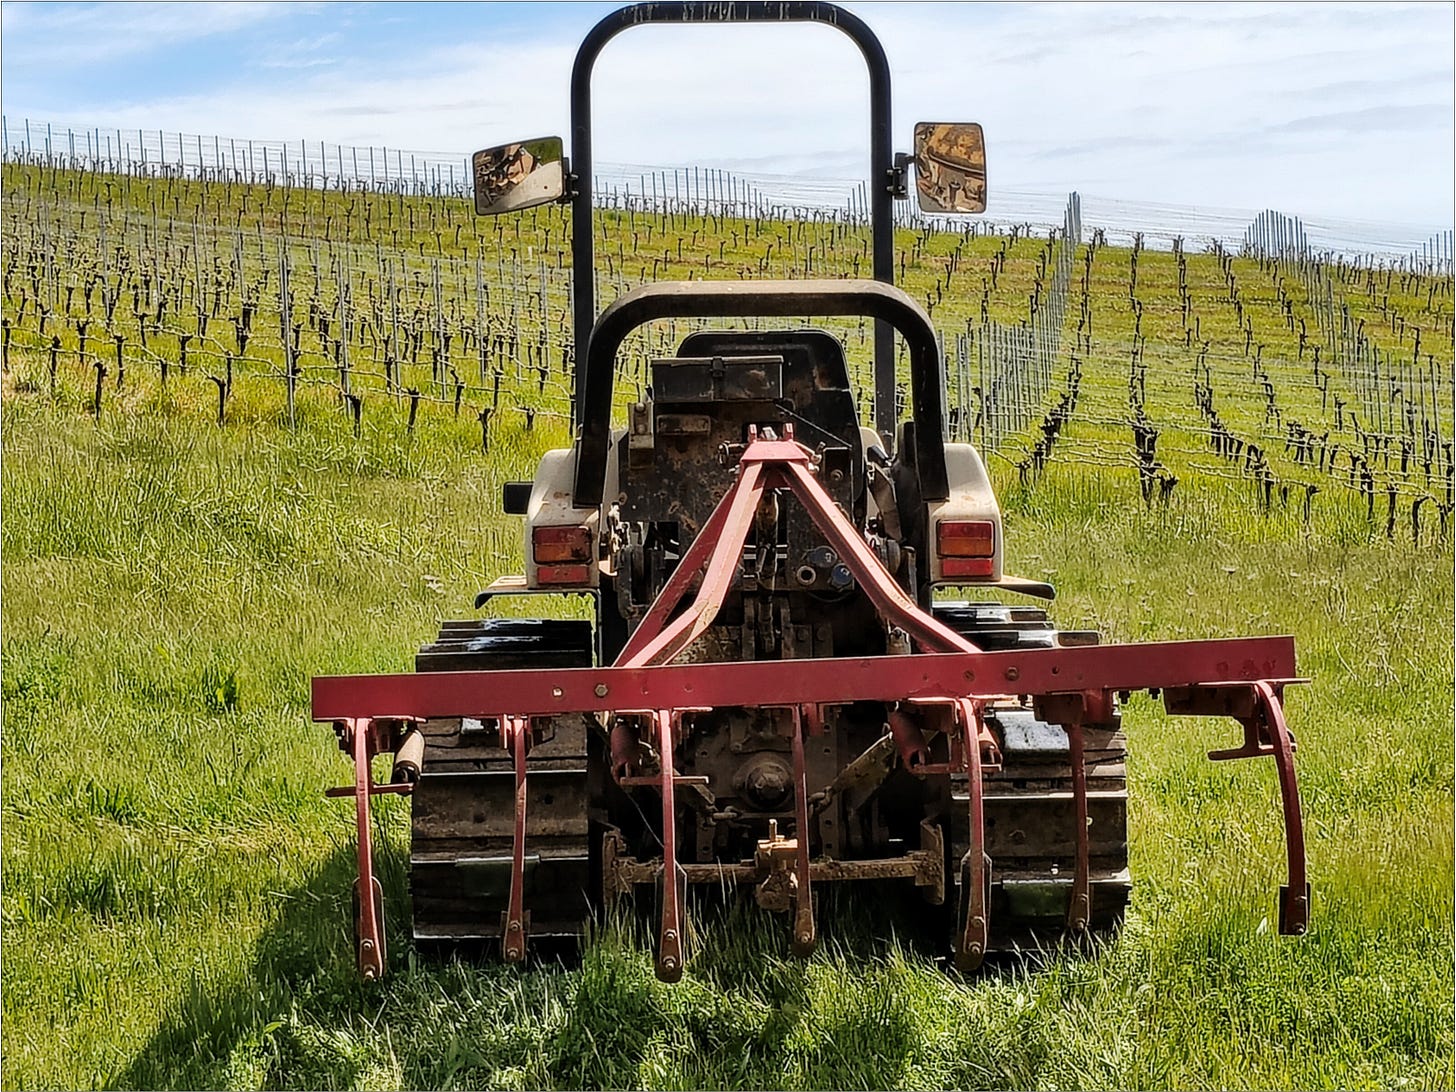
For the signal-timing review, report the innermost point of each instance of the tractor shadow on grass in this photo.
(216, 1035)
(749, 1013)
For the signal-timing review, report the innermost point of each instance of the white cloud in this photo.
(1335, 110)
(301, 53)
(72, 35)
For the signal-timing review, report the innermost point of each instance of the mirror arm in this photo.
(570, 180)
(899, 175)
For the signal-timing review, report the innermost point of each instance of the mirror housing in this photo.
(519, 175)
(950, 167)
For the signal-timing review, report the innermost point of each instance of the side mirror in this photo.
(950, 167)
(510, 177)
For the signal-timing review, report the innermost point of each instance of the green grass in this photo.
(175, 888)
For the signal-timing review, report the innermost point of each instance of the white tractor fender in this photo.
(971, 498)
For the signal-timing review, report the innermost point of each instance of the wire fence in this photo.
(700, 190)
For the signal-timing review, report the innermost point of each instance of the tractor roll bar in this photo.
(882, 266)
(759, 299)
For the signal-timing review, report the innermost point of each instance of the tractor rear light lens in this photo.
(966, 567)
(561, 545)
(966, 538)
(563, 574)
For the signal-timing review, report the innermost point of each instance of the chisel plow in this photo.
(941, 698)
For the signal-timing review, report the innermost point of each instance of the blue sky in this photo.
(1321, 110)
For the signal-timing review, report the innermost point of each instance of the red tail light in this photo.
(965, 566)
(965, 538)
(563, 574)
(560, 546)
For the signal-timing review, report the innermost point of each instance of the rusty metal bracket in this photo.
(813, 719)
(515, 921)
(625, 747)
(1079, 909)
(1293, 897)
(1092, 706)
(931, 871)
(866, 770)
(369, 917)
(1073, 711)
(805, 932)
(669, 936)
(974, 934)
(990, 747)
(1259, 707)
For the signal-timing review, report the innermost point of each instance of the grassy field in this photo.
(176, 889)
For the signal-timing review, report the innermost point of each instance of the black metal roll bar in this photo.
(882, 173)
(764, 299)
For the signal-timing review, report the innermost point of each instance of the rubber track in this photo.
(1030, 827)
(462, 815)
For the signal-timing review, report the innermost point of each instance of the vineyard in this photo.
(1271, 374)
(255, 432)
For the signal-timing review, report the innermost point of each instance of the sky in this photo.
(1339, 111)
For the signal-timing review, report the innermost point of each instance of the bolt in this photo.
(601, 690)
(366, 945)
(804, 938)
(370, 974)
(671, 934)
(556, 692)
(513, 953)
(1012, 674)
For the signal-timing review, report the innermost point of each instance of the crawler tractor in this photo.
(776, 693)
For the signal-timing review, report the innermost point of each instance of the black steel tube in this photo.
(882, 229)
(764, 299)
